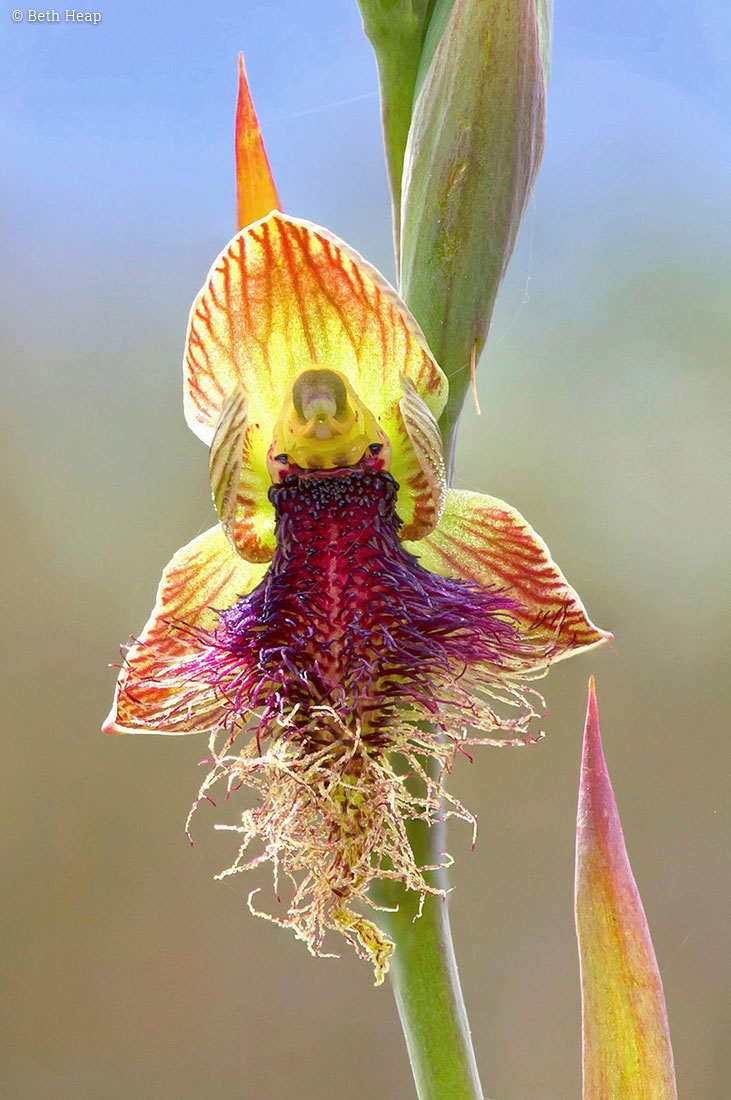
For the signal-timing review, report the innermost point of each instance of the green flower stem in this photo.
(426, 984)
(432, 1011)
(423, 968)
(396, 29)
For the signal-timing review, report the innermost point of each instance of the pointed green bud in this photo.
(473, 152)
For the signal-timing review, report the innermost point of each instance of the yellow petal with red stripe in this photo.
(153, 695)
(626, 1037)
(225, 457)
(484, 540)
(286, 296)
(426, 439)
(256, 194)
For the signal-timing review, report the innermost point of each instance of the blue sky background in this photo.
(605, 391)
(124, 127)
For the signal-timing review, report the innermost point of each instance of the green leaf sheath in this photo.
(473, 152)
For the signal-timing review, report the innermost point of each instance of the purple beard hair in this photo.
(347, 627)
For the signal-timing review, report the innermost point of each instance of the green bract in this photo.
(474, 148)
(626, 1038)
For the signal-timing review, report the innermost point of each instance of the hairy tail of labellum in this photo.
(332, 821)
(358, 676)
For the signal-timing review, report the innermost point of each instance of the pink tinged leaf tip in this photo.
(626, 1039)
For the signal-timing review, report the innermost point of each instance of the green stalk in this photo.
(426, 983)
(396, 30)
(463, 89)
(423, 969)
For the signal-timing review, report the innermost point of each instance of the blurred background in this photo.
(126, 970)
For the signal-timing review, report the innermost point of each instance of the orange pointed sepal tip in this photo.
(256, 194)
(626, 1038)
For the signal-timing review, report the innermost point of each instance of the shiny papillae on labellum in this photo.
(350, 619)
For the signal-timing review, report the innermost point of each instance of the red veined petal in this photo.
(225, 458)
(482, 539)
(202, 577)
(426, 439)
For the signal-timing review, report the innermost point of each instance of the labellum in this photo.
(351, 621)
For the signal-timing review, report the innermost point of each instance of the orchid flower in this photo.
(351, 622)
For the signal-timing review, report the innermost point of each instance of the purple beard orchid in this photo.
(351, 622)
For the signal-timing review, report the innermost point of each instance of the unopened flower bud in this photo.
(474, 148)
